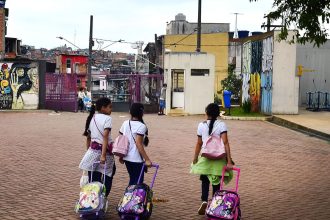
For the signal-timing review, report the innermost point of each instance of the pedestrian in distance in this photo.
(210, 169)
(137, 133)
(81, 96)
(99, 143)
(162, 98)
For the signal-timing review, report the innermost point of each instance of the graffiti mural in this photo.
(267, 75)
(246, 71)
(19, 86)
(257, 74)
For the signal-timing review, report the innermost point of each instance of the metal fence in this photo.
(61, 92)
(124, 89)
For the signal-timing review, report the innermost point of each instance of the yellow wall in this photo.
(215, 43)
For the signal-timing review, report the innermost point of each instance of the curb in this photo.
(26, 111)
(300, 128)
(266, 118)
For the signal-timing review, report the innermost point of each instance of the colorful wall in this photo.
(19, 85)
(269, 79)
(214, 43)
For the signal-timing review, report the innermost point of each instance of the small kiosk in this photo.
(190, 82)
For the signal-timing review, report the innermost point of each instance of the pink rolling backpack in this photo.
(225, 204)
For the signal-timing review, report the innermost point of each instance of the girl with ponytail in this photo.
(98, 143)
(209, 170)
(137, 132)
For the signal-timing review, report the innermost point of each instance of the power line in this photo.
(205, 45)
(176, 43)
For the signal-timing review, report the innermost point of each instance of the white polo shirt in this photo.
(219, 127)
(137, 128)
(98, 124)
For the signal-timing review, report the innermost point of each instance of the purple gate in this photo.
(61, 92)
(124, 89)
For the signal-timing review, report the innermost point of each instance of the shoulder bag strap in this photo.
(97, 126)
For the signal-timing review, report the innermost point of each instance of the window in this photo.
(200, 72)
(68, 63)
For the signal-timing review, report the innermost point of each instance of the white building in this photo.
(190, 82)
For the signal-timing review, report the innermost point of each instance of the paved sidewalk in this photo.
(285, 174)
(308, 121)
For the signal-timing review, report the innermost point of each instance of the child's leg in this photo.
(215, 188)
(205, 187)
(96, 176)
(134, 170)
(108, 181)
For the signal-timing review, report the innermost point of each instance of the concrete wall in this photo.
(311, 57)
(285, 80)
(217, 45)
(198, 90)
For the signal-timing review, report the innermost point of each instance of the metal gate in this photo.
(61, 92)
(124, 89)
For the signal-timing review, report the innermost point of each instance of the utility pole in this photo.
(199, 26)
(91, 44)
(269, 25)
(156, 54)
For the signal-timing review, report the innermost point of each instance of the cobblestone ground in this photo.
(284, 174)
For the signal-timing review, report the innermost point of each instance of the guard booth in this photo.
(190, 82)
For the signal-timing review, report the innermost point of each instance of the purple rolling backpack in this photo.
(137, 200)
(225, 204)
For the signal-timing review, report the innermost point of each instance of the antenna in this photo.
(74, 35)
(236, 31)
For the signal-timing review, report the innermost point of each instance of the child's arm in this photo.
(88, 141)
(198, 149)
(139, 145)
(105, 144)
(224, 138)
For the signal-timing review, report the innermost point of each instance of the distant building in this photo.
(72, 63)
(181, 26)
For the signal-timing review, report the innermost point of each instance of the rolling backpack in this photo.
(92, 200)
(225, 204)
(136, 202)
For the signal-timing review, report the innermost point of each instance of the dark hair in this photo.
(213, 111)
(136, 111)
(101, 102)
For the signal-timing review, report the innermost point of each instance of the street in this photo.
(284, 174)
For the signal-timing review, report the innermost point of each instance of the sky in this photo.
(39, 22)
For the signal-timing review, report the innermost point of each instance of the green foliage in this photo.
(232, 83)
(239, 112)
(307, 16)
(246, 106)
(217, 100)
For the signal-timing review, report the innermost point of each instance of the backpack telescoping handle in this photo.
(105, 165)
(238, 170)
(153, 178)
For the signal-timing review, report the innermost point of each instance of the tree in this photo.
(232, 83)
(308, 16)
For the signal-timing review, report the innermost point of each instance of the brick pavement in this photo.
(285, 174)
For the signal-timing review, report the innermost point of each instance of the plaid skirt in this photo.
(92, 156)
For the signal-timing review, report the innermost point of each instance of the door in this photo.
(266, 92)
(177, 90)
